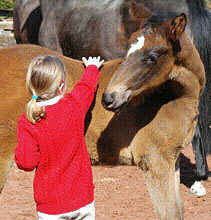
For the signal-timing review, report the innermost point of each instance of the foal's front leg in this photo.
(162, 183)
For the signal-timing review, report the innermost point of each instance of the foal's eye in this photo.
(152, 59)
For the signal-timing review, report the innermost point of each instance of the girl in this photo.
(51, 139)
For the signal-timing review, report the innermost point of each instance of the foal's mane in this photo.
(158, 19)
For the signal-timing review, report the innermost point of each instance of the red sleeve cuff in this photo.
(92, 66)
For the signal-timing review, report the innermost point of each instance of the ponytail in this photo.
(34, 113)
(43, 78)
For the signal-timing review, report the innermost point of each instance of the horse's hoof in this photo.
(198, 189)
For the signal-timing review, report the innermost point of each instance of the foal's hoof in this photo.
(198, 189)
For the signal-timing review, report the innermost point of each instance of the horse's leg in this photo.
(198, 144)
(163, 187)
(48, 36)
(200, 141)
(200, 147)
(200, 156)
(5, 165)
(177, 184)
(6, 152)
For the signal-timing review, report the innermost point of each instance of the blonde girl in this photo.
(51, 139)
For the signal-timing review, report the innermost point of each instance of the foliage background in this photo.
(7, 4)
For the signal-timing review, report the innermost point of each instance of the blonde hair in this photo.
(46, 74)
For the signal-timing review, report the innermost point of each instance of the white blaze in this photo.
(137, 45)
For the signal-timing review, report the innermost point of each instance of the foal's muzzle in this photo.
(113, 101)
(108, 101)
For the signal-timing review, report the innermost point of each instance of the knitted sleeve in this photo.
(27, 153)
(84, 90)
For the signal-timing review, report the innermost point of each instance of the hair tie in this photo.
(35, 97)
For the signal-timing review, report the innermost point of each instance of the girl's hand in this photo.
(93, 61)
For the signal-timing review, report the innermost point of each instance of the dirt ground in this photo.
(120, 193)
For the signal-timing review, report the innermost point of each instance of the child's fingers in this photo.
(89, 59)
(93, 60)
(84, 60)
(101, 62)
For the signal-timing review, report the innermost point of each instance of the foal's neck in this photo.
(188, 81)
(189, 58)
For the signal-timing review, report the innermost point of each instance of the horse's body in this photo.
(92, 28)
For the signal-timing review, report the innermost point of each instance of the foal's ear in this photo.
(139, 11)
(177, 27)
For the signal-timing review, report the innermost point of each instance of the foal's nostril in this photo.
(108, 99)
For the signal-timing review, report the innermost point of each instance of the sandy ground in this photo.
(120, 193)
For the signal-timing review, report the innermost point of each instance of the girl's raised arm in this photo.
(84, 90)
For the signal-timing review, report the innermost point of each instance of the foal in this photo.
(163, 76)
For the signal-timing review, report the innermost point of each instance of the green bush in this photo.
(7, 4)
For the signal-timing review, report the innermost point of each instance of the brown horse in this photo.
(160, 80)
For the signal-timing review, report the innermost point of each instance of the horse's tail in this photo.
(209, 82)
(200, 18)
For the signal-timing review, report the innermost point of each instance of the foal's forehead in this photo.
(145, 38)
(136, 45)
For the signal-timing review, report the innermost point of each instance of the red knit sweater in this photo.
(56, 148)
